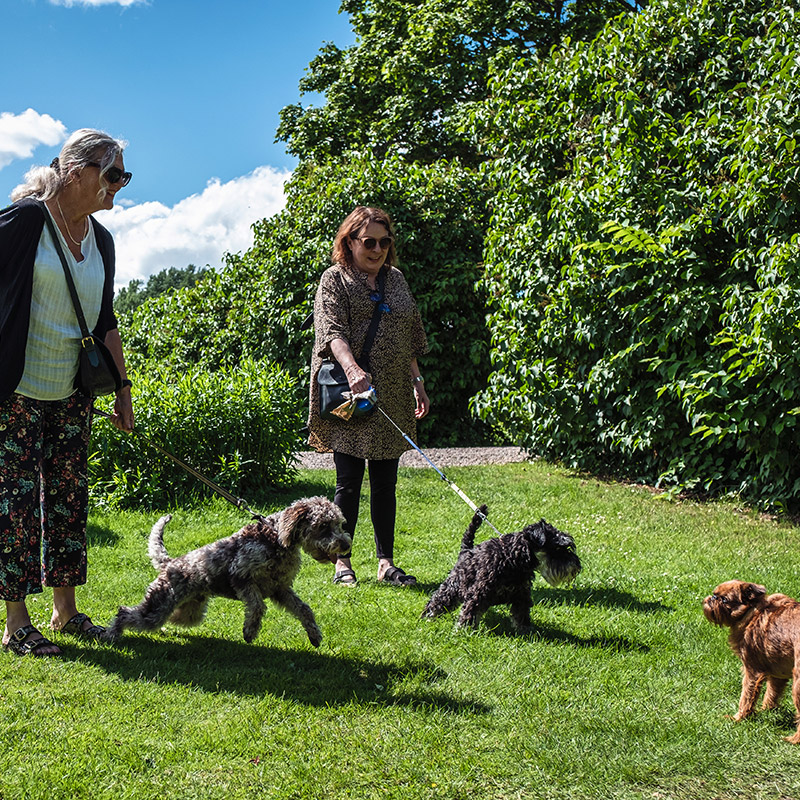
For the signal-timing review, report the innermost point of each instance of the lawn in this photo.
(621, 692)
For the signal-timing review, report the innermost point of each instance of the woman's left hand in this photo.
(122, 416)
(423, 403)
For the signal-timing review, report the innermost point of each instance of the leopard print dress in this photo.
(343, 310)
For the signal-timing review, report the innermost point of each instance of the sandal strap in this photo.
(20, 634)
(398, 576)
(35, 644)
(75, 623)
(20, 644)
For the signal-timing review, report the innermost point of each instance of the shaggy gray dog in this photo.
(259, 562)
(500, 570)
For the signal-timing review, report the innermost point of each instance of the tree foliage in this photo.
(416, 66)
(130, 297)
(391, 133)
(642, 260)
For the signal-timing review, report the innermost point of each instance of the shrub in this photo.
(239, 427)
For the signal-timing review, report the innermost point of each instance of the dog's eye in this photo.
(722, 599)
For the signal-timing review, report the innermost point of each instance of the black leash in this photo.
(237, 501)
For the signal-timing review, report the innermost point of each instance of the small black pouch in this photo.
(97, 373)
(332, 386)
(331, 378)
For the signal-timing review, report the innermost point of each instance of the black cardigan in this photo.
(21, 227)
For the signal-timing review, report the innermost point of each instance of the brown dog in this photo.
(765, 634)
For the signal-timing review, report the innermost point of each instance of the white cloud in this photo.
(150, 237)
(123, 3)
(21, 134)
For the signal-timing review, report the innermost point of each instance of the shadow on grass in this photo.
(100, 535)
(502, 626)
(592, 596)
(307, 677)
(582, 598)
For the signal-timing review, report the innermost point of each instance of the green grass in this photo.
(621, 693)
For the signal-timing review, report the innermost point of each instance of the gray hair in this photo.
(83, 147)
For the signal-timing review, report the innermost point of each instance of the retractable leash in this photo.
(237, 501)
(441, 474)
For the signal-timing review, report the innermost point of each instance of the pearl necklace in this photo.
(85, 230)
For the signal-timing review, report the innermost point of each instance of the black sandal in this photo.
(20, 644)
(397, 577)
(346, 577)
(74, 627)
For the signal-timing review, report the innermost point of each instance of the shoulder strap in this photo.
(67, 273)
(376, 317)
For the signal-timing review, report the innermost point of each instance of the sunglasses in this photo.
(114, 174)
(369, 242)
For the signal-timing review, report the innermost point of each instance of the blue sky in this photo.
(193, 86)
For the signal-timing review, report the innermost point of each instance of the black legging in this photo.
(382, 497)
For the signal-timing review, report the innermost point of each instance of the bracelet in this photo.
(418, 379)
(125, 383)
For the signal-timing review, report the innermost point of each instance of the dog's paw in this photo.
(315, 637)
(109, 635)
(249, 635)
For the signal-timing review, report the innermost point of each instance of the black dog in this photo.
(500, 570)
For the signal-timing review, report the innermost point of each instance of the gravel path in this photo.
(442, 457)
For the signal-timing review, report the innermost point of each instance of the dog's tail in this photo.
(468, 540)
(155, 546)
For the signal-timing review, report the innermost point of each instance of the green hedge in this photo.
(642, 260)
(239, 427)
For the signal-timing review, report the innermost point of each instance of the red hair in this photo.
(355, 222)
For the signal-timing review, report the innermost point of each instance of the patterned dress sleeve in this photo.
(331, 312)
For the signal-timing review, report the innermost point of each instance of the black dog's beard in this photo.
(558, 571)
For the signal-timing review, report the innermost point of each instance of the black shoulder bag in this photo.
(97, 372)
(331, 378)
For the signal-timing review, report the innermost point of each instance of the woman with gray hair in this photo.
(44, 420)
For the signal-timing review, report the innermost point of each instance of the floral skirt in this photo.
(44, 493)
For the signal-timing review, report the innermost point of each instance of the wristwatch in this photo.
(418, 379)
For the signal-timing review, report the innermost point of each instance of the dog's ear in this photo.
(752, 593)
(290, 521)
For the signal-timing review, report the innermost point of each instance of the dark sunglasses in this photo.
(369, 242)
(114, 174)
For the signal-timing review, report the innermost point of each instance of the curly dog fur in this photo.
(257, 563)
(499, 571)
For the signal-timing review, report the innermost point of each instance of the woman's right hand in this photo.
(359, 380)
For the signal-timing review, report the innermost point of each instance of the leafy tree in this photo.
(390, 134)
(130, 297)
(642, 262)
(416, 65)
